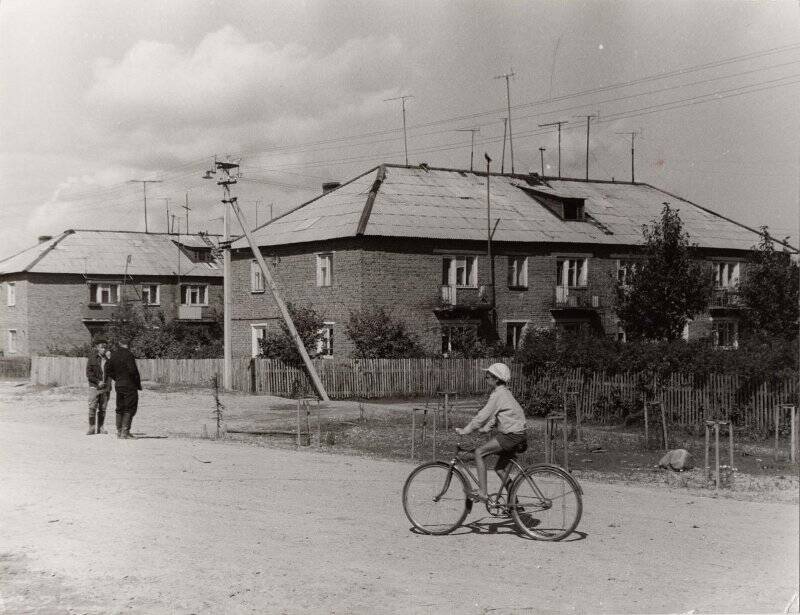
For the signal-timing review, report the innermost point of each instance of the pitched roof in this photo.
(423, 202)
(93, 252)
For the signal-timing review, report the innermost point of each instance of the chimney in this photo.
(328, 186)
(43, 238)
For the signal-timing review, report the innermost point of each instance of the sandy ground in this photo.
(92, 524)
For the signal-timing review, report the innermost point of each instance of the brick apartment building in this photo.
(63, 290)
(414, 239)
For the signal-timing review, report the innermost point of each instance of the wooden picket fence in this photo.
(15, 367)
(687, 400)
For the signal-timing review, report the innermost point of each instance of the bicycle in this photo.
(545, 501)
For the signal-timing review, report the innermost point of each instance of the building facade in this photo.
(65, 289)
(414, 240)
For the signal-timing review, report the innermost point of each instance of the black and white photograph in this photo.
(395, 307)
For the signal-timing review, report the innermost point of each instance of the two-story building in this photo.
(66, 288)
(415, 239)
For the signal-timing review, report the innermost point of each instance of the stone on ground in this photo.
(678, 459)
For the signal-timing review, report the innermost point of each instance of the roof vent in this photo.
(328, 186)
(43, 238)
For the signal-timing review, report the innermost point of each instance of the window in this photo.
(571, 272)
(457, 337)
(515, 332)
(151, 294)
(102, 293)
(726, 333)
(12, 341)
(325, 269)
(726, 275)
(257, 334)
(194, 294)
(11, 297)
(518, 272)
(460, 271)
(622, 335)
(256, 278)
(624, 270)
(325, 342)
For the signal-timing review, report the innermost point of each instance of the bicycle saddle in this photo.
(465, 448)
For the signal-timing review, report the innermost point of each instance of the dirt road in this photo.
(92, 524)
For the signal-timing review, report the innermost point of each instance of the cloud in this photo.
(228, 80)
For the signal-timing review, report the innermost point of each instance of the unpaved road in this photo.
(92, 524)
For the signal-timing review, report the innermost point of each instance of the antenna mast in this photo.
(402, 100)
(558, 123)
(472, 150)
(507, 76)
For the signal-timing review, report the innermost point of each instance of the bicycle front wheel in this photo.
(546, 503)
(434, 498)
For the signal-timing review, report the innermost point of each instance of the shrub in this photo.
(280, 345)
(377, 335)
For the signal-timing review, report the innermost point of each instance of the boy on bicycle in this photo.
(503, 411)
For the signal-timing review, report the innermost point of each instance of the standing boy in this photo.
(122, 368)
(99, 390)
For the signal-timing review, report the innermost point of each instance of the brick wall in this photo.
(405, 276)
(51, 308)
(14, 317)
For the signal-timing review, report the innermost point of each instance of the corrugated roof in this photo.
(105, 252)
(451, 204)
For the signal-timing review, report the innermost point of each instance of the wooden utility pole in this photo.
(558, 123)
(279, 301)
(588, 124)
(633, 135)
(472, 148)
(508, 76)
(188, 209)
(402, 100)
(489, 233)
(503, 157)
(542, 150)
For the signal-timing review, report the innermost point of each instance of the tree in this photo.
(377, 335)
(769, 289)
(280, 345)
(668, 287)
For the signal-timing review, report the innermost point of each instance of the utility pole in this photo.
(402, 99)
(542, 150)
(503, 157)
(588, 124)
(489, 233)
(166, 205)
(558, 123)
(281, 305)
(188, 209)
(633, 135)
(507, 76)
(472, 149)
(144, 183)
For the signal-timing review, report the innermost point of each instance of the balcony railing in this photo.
(576, 298)
(464, 296)
(725, 298)
(193, 312)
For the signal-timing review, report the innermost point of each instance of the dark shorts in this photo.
(512, 443)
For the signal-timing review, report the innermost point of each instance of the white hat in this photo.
(499, 371)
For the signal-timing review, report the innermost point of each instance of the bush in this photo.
(280, 345)
(377, 335)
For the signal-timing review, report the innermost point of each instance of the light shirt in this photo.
(501, 408)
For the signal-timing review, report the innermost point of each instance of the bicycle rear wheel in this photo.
(546, 503)
(434, 498)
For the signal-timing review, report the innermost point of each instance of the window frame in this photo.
(625, 267)
(11, 339)
(325, 345)
(322, 280)
(510, 324)
(257, 282)
(445, 330)
(725, 323)
(518, 274)
(158, 294)
(184, 294)
(470, 270)
(255, 329)
(11, 294)
(95, 298)
(581, 271)
(732, 269)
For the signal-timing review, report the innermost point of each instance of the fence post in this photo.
(413, 429)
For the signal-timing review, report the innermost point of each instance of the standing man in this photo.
(122, 368)
(99, 384)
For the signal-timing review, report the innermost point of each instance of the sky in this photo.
(96, 96)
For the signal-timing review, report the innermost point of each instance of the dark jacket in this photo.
(122, 368)
(94, 371)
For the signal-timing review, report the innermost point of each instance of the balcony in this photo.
(580, 298)
(194, 312)
(725, 298)
(454, 301)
